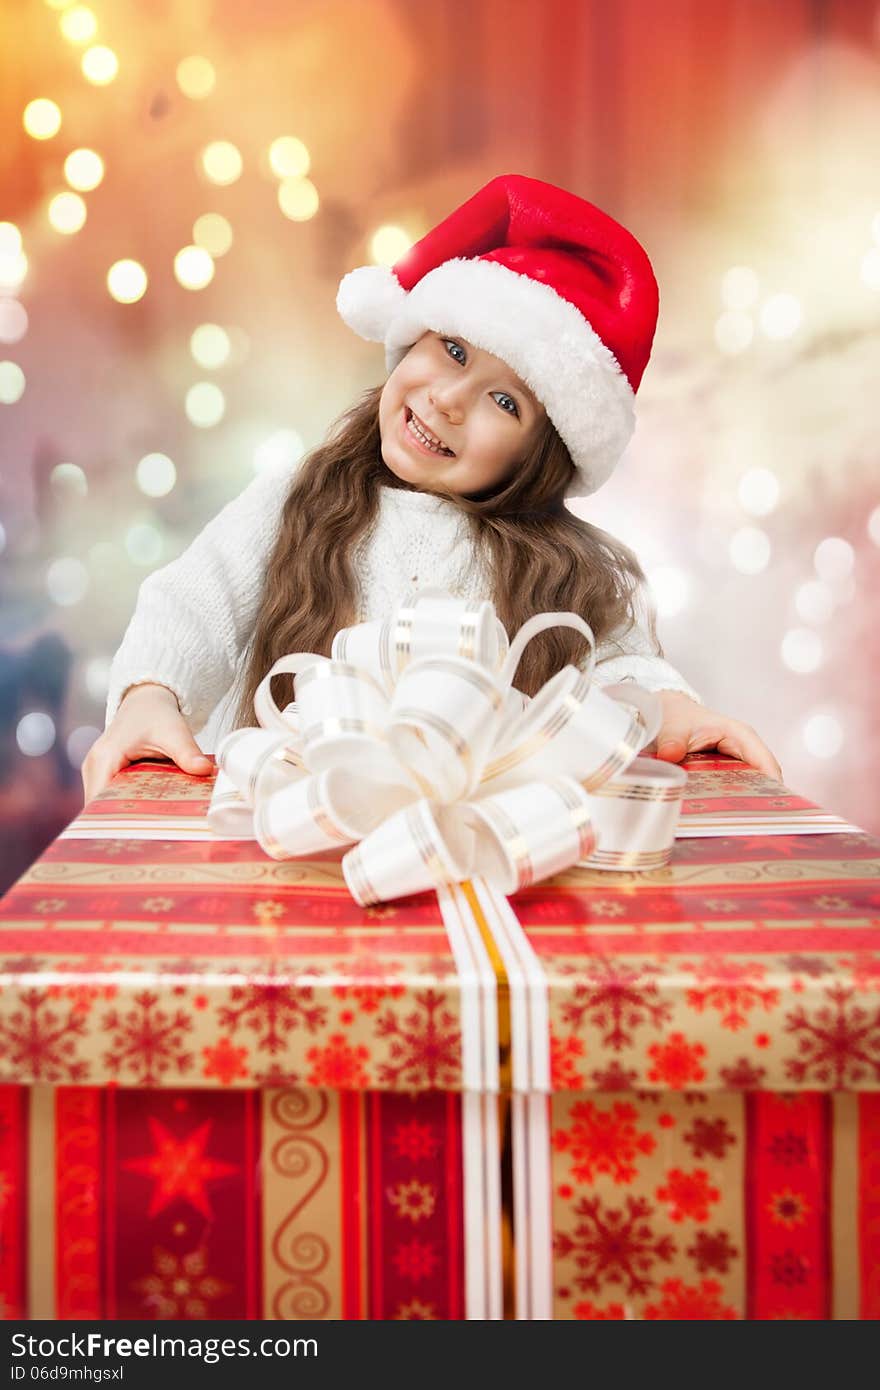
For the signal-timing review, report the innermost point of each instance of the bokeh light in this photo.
(69, 480)
(78, 24)
(281, 451)
(193, 268)
(67, 581)
(298, 199)
(734, 331)
(67, 213)
(99, 65)
(802, 650)
(781, 316)
(127, 281)
(196, 77)
(874, 526)
(750, 550)
(10, 239)
(42, 118)
(221, 162)
(210, 345)
(758, 491)
(97, 677)
(205, 404)
(13, 269)
(144, 544)
(13, 321)
(156, 475)
(814, 601)
(213, 233)
(12, 383)
(79, 742)
(35, 734)
(84, 170)
(822, 735)
(289, 157)
(833, 559)
(739, 287)
(670, 588)
(388, 244)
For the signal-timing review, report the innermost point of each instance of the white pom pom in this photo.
(368, 299)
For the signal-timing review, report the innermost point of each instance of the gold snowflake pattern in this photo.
(416, 1311)
(158, 904)
(414, 1200)
(268, 912)
(179, 1286)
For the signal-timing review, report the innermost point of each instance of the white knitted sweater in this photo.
(194, 618)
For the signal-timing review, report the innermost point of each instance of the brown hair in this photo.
(538, 555)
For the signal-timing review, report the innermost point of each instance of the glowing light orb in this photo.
(822, 735)
(298, 199)
(35, 734)
(213, 233)
(289, 157)
(144, 544)
(193, 268)
(79, 742)
(739, 287)
(388, 244)
(801, 650)
(280, 451)
(84, 170)
(13, 269)
(78, 24)
(99, 65)
(42, 118)
(12, 383)
(874, 526)
(67, 213)
(205, 404)
(97, 677)
(749, 550)
(833, 559)
(670, 588)
(814, 601)
(127, 281)
(156, 475)
(10, 239)
(221, 162)
(870, 270)
(69, 480)
(210, 346)
(13, 321)
(196, 77)
(781, 316)
(734, 332)
(67, 581)
(758, 491)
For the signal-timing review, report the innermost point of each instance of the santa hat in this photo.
(542, 279)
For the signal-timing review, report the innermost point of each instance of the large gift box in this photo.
(227, 1090)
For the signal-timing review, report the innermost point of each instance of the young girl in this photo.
(516, 333)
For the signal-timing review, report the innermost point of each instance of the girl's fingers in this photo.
(746, 744)
(676, 739)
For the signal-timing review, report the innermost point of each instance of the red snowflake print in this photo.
(743, 1075)
(616, 1000)
(338, 1065)
(415, 1140)
(87, 988)
(790, 1269)
(712, 1251)
(788, 1209)
(146, 1040)
(732, 989)
(39, 1042)
(689, 1195)
(615, 1246)
(368, 985)
(676, 1062)
(273, 1007)
(416, 1311)
(564, 1053)
(865, 969)
(179, 1167)
(226, 1062)
(425, 1048)
(603, 1141)
(812, 966)
(614, 1077)
(709, 1138)
(416, 1259)
(590, 1312)
(681, 1302)
(838, 1045)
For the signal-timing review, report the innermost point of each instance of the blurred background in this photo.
(182, 185)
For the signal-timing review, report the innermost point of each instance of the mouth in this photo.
(419, 434)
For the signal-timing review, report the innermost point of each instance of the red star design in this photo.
(180, 1167)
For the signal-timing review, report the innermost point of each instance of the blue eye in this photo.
(507, 403)
(452, 348)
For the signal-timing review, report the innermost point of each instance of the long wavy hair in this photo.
(537, 555)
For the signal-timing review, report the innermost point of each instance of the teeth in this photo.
(429, 440)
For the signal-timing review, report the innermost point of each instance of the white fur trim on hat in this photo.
(368, 299)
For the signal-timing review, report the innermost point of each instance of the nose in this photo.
(447, 398)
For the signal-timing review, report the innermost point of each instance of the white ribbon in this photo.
(411, 743)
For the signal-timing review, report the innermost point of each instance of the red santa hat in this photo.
(542, 279)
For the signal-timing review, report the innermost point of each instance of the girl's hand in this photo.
(687, 727)
(148, 724)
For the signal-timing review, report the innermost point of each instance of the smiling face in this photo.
(456, 418)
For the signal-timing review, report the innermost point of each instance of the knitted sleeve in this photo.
(195, 616)
(628, 654)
